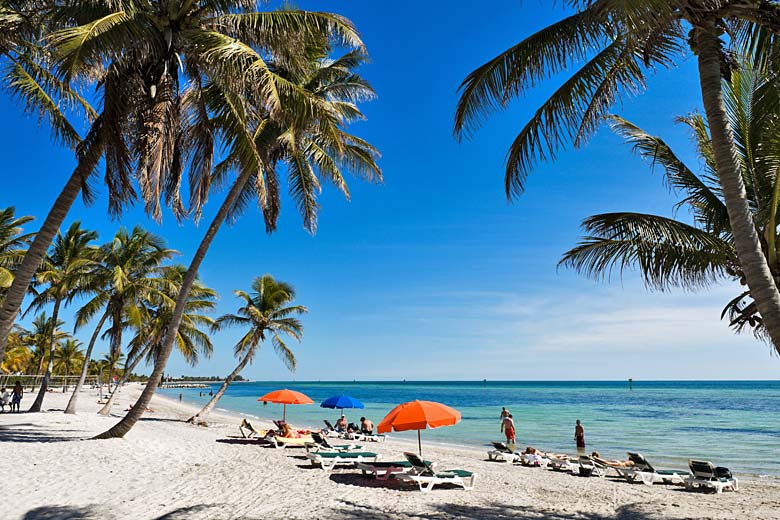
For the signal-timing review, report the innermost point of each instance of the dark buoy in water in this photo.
(630, 384)
(484, 382)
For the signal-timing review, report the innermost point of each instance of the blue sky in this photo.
(433, 274)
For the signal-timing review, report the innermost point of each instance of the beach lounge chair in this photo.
(643, 472)
(365, 437)
(277, 441)
(705, 475)
(329, 430)
(534, 460)
(503, 453)
(381, 470)
(563, 463)
(425, 476)
(589, 467)
(248, 431)
(328, 460)
(320, 443)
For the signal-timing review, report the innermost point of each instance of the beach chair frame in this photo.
(502, 453)
(704, 476)
(643, 472)
(426, 477)
(329, 460)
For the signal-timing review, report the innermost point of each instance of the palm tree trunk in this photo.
(34, 256)
(38, 403)
(201, 416)
(751, 257)
(129, 367)
(129, 420)
(116, 339)
(71, 408)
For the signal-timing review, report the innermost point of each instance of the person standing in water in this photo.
(504, 413)
(579, 435)
(508, 427)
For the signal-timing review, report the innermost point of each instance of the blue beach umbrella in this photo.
(341, 402)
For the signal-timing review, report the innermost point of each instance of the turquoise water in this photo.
(733, 423)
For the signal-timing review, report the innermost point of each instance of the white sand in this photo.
(166, 469)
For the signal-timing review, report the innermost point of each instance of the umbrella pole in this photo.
(284, 414)
(419, 444)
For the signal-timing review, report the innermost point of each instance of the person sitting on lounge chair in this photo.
(366, 426)
(341, 424)
(617, 463)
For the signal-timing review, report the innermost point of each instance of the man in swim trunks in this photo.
(508, 427)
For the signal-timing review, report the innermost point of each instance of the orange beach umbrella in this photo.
(418, 415)
(286, 397)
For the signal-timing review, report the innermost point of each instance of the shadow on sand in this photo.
(96, 513)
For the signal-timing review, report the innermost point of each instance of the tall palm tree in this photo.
(129, 271)
(66, 273)
(19, 353)
(152, 323)
(153, 63)
(610, 46)
(314, 149)
(267, 311)
(43, 334)
(668, 252)
(29, 76)
(13, 245)
(68, 355)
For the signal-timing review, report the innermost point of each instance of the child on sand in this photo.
(5, 399)
(16, 398)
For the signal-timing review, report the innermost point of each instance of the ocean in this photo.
(732, 423)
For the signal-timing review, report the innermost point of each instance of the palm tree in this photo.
(610, 45)
(155, 314)
(13, 245)
(267, 311)
(671, 253)
(19, 353)
(154, 63)
(68, 355)
(67, 273)
(128, 272)
(30, 77)
(319, 148)
(43, 334)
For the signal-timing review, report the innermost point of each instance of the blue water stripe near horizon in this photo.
(732, 423)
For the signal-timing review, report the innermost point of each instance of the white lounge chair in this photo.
(248, 431)
(321, 443)
(382, 470)
(588, 467)
(534, 459)
(279, 442)
(425, 476)
(705, 475)
(560, 463)
(328, 460)
(503, 453)
(365, 437)
(643, 472)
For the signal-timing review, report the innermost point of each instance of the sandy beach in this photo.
(167, 469)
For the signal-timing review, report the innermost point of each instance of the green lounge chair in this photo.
(328, 460)
(645, 473)
(706, 476)
(320, 443)
(381, 470)
(425, 476)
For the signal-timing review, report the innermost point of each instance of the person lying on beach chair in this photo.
(248, 431)
(705, 475)
(425, 476)
(533, 457)
(320, 443)
(643, 472)
(503, 453)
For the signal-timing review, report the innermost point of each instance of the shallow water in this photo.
(733, 423)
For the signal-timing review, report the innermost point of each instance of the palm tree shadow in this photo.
(65, 513)
(362, 511)
(32, 433)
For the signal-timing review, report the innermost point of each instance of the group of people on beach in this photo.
(366, 426)
(508, 429)
(12, 399)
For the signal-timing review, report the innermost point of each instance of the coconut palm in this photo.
(13, 245)
(29, 76)
(19, 353)
(267, 311)
(668, 252)
(153, 63)
(154, 316)
(610, 46)
(67, 356)
(314, 149)
(66, 274)
(44, 333)
(129, 271)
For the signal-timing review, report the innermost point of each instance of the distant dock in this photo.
(185, 384)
